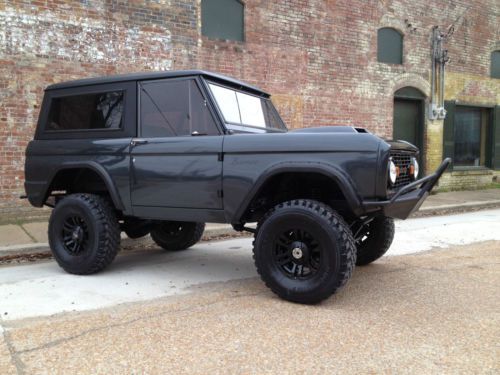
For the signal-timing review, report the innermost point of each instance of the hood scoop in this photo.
(331, 129)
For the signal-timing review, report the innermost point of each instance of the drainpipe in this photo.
(439, 60)
(432, 113)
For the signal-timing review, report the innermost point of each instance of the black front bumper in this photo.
(409, 198)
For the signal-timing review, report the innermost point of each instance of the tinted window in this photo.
(389, 46)
(222, 19)
(174, 108)
(89, 111)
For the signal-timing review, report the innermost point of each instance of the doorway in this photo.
(408, 119)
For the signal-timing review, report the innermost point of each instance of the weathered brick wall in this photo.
(317, 57)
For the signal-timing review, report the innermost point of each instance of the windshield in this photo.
(246, 112)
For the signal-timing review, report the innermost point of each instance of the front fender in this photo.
(341, 178)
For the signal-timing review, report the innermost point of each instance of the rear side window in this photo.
(87, 112)
(173, 108)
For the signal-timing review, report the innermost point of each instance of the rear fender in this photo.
(39, 199)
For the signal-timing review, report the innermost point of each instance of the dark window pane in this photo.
(272, 117)
(222, 19)
(165, 108)
(389, 46)
(201, 118)
(467, 137)
(91, 111)
(495, 64)
(174, 108)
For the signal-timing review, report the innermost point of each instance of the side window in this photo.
(84, 112)
(201, 118)
(389, 46)
(174, 108)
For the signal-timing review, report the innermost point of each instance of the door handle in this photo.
(197, 133)
(138, 141)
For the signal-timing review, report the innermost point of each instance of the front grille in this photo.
(403, 162)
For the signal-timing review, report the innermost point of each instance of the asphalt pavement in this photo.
(431, 306)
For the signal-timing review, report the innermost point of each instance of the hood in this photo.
(330, 129)
(401, 145)
(394, 144)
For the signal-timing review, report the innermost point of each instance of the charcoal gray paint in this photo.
(181, 178)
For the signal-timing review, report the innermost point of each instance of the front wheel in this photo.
(374, 239)
(177, 235)
(304, 251)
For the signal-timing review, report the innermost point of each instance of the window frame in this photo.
(199, 83)
(243, 21)
(128, 115)
(489, 145)
(402, 46)
(497, 53)
(239, 127)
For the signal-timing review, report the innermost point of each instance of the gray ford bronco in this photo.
(163, 153)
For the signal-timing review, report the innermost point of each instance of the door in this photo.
(175, 161)
(408, 119)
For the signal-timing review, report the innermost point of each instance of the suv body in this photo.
(164, 152)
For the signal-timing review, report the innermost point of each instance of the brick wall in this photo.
(317, 57)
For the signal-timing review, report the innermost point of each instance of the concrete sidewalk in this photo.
(31, 238)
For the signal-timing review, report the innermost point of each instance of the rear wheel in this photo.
(84, 234)
(374, 239)
(304, 251)
(136, 228)
(177, 235)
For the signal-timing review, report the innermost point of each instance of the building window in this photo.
(471, 129)
(495, 64)
(389, 46)
(222, 19)
(471, 136)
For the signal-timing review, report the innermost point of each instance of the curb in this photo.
(456, 208)
(17, 253)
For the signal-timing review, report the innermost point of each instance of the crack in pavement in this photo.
(14, 358)
(191, 308)
(19, 365)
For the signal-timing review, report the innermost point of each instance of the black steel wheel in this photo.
(84, 234)
(373, 239)
(177, 235)
(297, 253)
(304, 251)
(75, 233)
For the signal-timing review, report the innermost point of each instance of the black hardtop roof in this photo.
(158, 75)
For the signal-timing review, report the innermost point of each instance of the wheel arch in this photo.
(334, 174)
(75, 168)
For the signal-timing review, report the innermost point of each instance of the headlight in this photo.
(393, 172)
(414, 164)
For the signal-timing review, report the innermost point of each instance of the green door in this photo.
(407, 124)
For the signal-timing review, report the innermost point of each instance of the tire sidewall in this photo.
(67, 207)
(327, 275)
(190, 235)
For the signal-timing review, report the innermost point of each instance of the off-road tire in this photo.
(177, 235)
(100, 238)
(335, 251)
(135, 228)
(377, 242)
